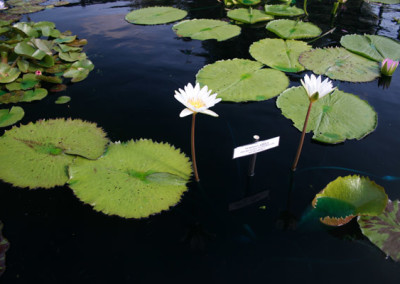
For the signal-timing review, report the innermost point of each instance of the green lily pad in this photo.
(279, 54)
(333, 118)
(384, 230)
(340, 64)
(249, 2)
(66, 48)
(155, 15)
(22, 96)
(4, 245)
(10, 116)
(26, 29)
(60, 3)
(20, 10)
(79, 70)
(24, 2)
(65, 39)
(23, 65)
(249, 17)
(283, 10)
(132, 180)
(72, 56)
(62, 100)
(46, 46)
(50, 79)
(204, 29)
(27, 82)
(372, 46)
(48, 29)
(37, 154)
(241, 80)
(27, 50)
(347, 197)
(8, 74)
(34, 95)
(289, 29)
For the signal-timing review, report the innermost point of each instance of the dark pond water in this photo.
(57, 239)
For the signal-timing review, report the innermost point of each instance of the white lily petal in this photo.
(210, 112)
(185, 112)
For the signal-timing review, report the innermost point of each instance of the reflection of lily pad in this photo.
(372, 46)
(289, 29)
(62, 100)
(132, 180)
(283, 10)
(4, 244)
(241, 80)
(340, 64)
(9, 117)
(204, 29)
(333, 118)
(249, 17)
(384, 230)
(37, 154)
(347, 197)
(155, 15)
(279, 54)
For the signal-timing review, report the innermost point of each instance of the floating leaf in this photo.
(60, 3)
(34, 95)
(8, 74)
(37, 154)
(4, 245)
(241, 80)
(289, 29)
(72, 56)
(65, 39)
(79, 70)
(27, 9)
(23, 96)
(340, 64)
(27, 29)
(249, 2)
(249, 17)
(132, 180)
(25, 49)
(283, 10)
(384, 230)
(50, 79)
(27, 82)
(347, 197)
(203, 29)
(372, 46)
(333, 118)
(62, 100)
(23, 65)
(9, 117)
(24, 2)
(155, 15)
(279, 54)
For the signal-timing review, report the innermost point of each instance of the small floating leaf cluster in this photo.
(34, 56)
(131, 180)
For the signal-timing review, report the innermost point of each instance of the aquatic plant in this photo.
(249, 16)
(196, 100)
(290, 29)
(132, 180)
(283, 10)
(315, 89)
(10, 116)
(388, 66)
(155, 15)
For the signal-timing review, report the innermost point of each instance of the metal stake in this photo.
(253, 158)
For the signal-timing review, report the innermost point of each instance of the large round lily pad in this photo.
(384, 230)
(283, 10)
(155, 15)
(203, 29)
(279, 54)
(341, 64)
(241, 80)
(37, 154)
(249, 16)
(372, 46)
(333, 118)
(289, 29)
(132, 180)
(347, 197)
(10, 116)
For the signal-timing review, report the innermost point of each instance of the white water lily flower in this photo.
(196, 100)
(3, 6)
(315, 88)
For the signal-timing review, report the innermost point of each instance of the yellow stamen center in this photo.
(196, 103)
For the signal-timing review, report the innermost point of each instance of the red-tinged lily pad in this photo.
(78, 42)
(384, 230)
(347, 197)
(8, 74)
(9, 17)
(4, 245)
(50, 79)
(23, 96)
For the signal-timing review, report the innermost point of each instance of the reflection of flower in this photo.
(315, 88)
(38, 73)
(196, 100)
(3, 6)
(389, 66)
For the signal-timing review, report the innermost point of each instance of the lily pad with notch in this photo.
(340, 64)
(279, 54)
(333, 119)
(242, 80)
(37, 154)
(22, 96)
(11, 116)
(384, 230)
(249, 17)
(346, 197)
(132, 180)
(155, 15)
(204, 29)
(283, 10)
(290, 29)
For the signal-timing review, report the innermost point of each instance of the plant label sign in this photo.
(256, 147)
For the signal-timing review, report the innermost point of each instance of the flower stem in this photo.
(305, 7)
(296, 160)
(196, 174)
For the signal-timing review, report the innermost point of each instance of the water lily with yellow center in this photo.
(196, 100)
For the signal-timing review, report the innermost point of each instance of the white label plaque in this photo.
(254, 148)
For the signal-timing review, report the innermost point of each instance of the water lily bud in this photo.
(389, 66)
